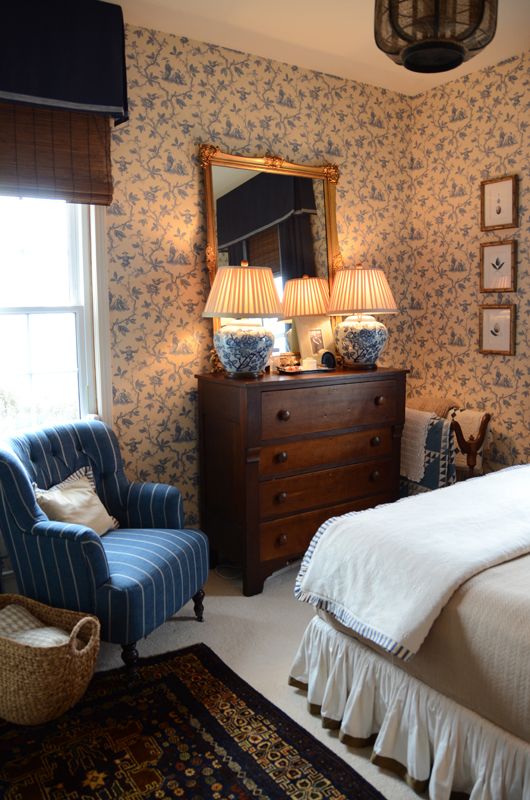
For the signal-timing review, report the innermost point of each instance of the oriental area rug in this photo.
(189, 727)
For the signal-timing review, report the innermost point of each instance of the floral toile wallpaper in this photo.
(465, 132)
(407, 199)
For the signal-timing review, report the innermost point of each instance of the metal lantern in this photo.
(434, 35)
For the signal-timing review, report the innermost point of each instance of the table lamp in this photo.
(309, 298)
(244, 293)
(305, 297)
(361, 292)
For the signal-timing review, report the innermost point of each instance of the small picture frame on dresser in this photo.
(498, 203)
(314, 335)
(498, 266)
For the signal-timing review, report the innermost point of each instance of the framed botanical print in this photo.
(498, 266)
(497, 329)
(498, 203)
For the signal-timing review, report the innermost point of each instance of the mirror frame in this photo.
(211, 156)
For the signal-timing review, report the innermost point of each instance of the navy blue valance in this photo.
(265, 200)
(64, 54)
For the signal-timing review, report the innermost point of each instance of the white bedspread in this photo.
(387, 572)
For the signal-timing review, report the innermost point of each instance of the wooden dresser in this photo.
(281, 454)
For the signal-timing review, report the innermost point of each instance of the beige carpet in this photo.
(258, 637)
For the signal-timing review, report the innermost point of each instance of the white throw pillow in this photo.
(19, 624)
(40, 637)
(75, 500)
(15, 618)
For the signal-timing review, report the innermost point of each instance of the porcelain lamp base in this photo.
(360, 339)
(243, 350)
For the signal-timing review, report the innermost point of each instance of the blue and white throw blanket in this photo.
(388, 572)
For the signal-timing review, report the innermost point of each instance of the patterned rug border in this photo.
(329, 760)
(106, 688)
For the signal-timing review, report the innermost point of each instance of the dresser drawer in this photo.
(292, 456)
(311, 409)
(290, 536)
(280, 455)
(324, 487)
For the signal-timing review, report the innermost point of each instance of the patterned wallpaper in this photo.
(407, 200)
(471, 130)
(183, 93)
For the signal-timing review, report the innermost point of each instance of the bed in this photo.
(447, 699)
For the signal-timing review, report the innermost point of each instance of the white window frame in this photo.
(99, 297)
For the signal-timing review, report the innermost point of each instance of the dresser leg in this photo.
(252, 585)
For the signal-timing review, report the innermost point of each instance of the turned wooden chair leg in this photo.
(129, 655)
(198, 605)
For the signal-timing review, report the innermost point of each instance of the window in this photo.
(49, 367)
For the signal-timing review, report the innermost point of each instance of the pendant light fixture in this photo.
(434, 35)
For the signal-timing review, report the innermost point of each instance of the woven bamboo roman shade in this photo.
(55, 154)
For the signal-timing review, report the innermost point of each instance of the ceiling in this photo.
(333, 36)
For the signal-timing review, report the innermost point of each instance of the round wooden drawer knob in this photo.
(375, 441)
(281, 497)
(282, 457)
(282, 539)
(375, 475)
(284, 415)
(379, 400)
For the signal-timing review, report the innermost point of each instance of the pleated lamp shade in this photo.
(304, 297)
(243, 292)
(361, 290)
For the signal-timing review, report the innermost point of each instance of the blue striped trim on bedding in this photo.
(334, 608)
(309, 553)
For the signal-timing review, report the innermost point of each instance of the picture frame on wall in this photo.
(498, 203)
(497, 329)
(498, 266)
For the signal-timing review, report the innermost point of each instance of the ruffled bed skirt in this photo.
(437, 741)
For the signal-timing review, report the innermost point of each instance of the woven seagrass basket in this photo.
(38, 684)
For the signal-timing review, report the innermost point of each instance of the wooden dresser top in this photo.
(275, 380)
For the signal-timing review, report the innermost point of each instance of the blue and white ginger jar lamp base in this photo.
(244, 351)
(360, 339)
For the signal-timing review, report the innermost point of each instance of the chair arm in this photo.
(63, 530)
(154, 505)
(65, 564)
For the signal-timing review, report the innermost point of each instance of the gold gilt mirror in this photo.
(270, 212)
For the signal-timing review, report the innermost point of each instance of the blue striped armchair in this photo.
(133, 578)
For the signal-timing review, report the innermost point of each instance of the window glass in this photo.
(46, 346)
(35, 252)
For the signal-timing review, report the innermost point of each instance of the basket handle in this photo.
(94, 624)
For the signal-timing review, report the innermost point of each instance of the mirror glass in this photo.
(286, 233)
(273, 213)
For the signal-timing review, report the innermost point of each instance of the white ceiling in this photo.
(333, 36)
